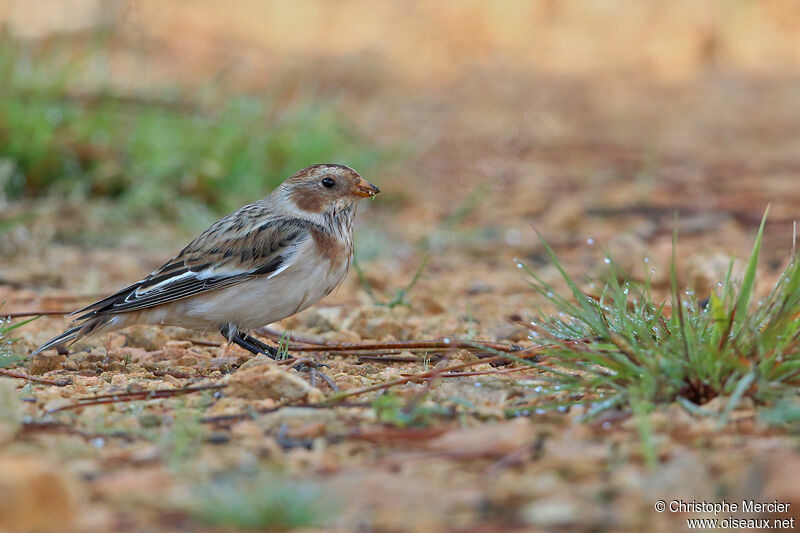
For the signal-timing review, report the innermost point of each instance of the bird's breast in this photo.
(332, 248)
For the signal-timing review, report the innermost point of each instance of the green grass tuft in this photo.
(394, 411)
(283, 347)
(263, 501)
(153, 152)
(626, 349)
(7, 358)
(784, 414)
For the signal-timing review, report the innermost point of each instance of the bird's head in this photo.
(327, 188)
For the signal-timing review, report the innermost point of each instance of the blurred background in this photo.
(483, 117)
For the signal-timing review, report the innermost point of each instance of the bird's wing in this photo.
(222, 256)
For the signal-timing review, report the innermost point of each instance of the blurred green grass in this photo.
(263, 501)
(66, 132)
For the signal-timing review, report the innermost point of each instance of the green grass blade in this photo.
(748, 283)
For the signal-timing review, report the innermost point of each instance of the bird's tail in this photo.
(72, 334)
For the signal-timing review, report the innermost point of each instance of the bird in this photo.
(264, 262)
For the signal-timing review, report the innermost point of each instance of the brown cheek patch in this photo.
(329, 247)
(309, 202)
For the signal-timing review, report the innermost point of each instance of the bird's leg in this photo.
(302, 365)
(255, 346)
(249, 343)
(266, 348)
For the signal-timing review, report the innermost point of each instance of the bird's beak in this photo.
(365, 189)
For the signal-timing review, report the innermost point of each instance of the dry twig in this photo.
(34, 313)
(249, 415)
(35, 379)
(130, 396)
(437, 372)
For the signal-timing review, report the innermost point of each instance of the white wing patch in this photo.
(142, 291)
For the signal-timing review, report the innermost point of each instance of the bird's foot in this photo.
(304, 364)
(255, 346)
(248, 342)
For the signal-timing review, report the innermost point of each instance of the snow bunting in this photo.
(262, 263)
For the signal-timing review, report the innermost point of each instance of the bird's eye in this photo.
(328, 183)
